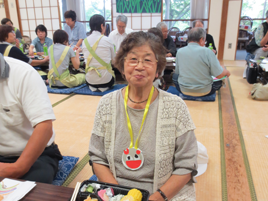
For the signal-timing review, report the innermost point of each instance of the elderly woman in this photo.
(60, 55)
(7, 37)
(7, 21)
(144, 137)
(99, 52)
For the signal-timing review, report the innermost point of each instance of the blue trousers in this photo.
(215, 86)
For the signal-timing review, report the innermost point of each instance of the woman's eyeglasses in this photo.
(133, 62)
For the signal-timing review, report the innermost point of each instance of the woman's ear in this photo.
(156, 75)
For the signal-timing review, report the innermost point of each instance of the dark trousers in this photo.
(109, 84)
(45, 167)
(215, 86)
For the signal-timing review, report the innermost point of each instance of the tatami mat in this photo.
(75, 118)
(253, 118)
(56, 97)
(206, 119)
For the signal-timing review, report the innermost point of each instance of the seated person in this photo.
(10, 23)
(160, 82)
(209, 38)
(27, 148)
(168, 41)
(40, 41)
(60, 55)
(154, 161)
(195, 64)
(259, 44)
(7, 36)
(119, 34)
(75, 30)
(99, 52)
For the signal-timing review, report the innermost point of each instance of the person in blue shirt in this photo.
(40, 40)
(195, 66)
(75, 30)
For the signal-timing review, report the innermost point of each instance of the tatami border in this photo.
(62, 100)
(246, 161)
(222, 152)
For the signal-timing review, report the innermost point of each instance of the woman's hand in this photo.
(40, 53)
(79, 50)
(17, 43)
(156, 197)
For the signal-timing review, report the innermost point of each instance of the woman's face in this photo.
(140, 66)
(11, 38)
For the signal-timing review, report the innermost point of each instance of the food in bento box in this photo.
(91, 188)
(91, 199)
(106, 194)
(135, 194)
(116, 197)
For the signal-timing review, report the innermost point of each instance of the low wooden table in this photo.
(48, 192)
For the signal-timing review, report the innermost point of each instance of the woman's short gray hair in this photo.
(122, 18)
(195, 34)
(161, 25)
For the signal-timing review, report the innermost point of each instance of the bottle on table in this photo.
(210, 46)
(21, 47)
(45, 49)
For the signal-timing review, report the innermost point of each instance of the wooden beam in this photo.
(19, 18)
(224, 14)
(7, 9)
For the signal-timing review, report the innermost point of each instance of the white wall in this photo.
(2, 13)
(232, 29)
(13, 13)
(215, 20)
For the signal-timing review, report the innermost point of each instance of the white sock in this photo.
(103, 89)
(92, 88)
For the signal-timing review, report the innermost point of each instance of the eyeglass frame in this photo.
(138, 61)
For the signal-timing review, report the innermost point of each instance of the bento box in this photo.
(96, 189)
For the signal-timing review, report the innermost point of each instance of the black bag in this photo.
(252, 46)
(252, 75)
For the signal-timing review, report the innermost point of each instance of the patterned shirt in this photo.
(75, 34)
(259, 35)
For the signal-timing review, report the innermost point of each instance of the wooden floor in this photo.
(232, 128)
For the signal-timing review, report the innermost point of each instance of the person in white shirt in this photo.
(27, 149)
(98, 51)
(119, 34)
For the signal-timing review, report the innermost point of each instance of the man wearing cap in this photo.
(27, 148)
(259, 44)
(118, 35)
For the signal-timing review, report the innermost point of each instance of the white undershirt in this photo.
(23, 104)
(117, 38)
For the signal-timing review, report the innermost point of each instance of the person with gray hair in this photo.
(119, 34)
(209, 38)
(259, 44)
(168, 41)
(195, 66)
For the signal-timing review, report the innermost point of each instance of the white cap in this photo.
(202, 159)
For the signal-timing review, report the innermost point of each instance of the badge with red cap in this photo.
(132, 157)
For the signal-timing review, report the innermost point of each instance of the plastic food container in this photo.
(81, 196)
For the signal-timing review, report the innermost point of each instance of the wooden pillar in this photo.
(224, 14)
(7, 9)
